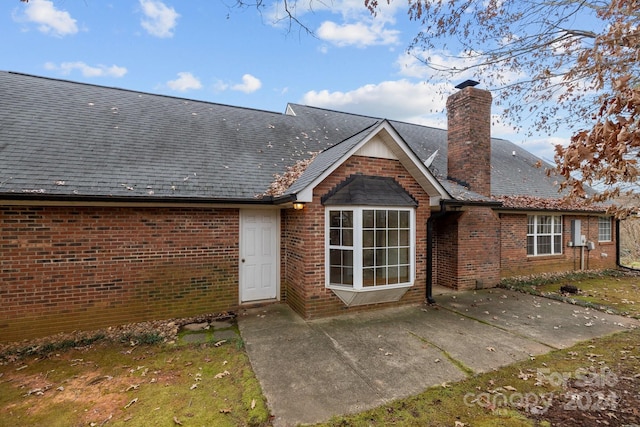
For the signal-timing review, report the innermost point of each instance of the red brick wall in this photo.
(468, 249)
(68, 268)
(469, 139)
(293, 252)
(304, 250)
(445, 265)
(479, 249)
(515, 261)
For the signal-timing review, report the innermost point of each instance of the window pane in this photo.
(335, 275)
(381, 257)
(335, 257)
(334, 219)
(393, 219)
(381, 276)
(334, 237)
(347, 277)
(367, 277)
(347, 237)
(403, 256)
(393, 256)
(404, 238)
(368, 239)
(544, 245)
(368, 259)
(347, 258)
(381, 238)
(531, 224)
(403, 274)
(392, 273)
(347, 219)
(557, 244)
(404, 219)
(544, 225)
(381, 219)
(393, 238)
(367, 219)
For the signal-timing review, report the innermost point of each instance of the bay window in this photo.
(370, 248)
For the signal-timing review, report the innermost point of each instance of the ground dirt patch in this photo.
(127, 383)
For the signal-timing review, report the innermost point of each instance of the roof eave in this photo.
(564, 211)
(55, 199)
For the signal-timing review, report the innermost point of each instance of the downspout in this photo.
(430, 238)
(618, 243)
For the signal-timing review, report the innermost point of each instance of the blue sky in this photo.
(212, 51)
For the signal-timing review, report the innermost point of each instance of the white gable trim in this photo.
(386, 135)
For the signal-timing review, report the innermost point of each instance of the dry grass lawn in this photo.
(143, 385)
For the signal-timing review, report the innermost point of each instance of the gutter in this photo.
(141, 200)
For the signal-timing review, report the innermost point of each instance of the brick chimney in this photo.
(469, 137)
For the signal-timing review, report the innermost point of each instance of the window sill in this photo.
(543, 257)
(354, 297)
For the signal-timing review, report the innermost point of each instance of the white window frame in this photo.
(358, 248)
(556, 249)
(604, 221)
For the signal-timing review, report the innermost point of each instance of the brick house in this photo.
(118, 206)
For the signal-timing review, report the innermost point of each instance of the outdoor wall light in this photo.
(298, 205)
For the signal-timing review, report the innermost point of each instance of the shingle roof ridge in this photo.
(336, 111)
(382, 118)
(379, 119)
(362, 130)
(139, 92)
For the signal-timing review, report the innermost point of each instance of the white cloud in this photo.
(398, 100)
(185, 81)
(220, 86)
(358, 34)
(160, 20)
(49, 19)
(66, 68)
(249, 84)
(351, 24)
(419, 103)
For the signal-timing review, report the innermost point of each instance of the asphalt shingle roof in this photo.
(61, 138)
(369, 191)
(513, 169)
(64, 138)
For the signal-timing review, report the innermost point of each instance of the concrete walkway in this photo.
(311, 371)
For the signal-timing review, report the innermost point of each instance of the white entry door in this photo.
(259, 257)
